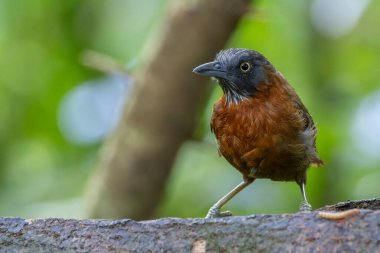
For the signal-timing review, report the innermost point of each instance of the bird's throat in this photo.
(233, 96)
(232, 93)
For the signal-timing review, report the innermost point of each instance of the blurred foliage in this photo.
(43, 174)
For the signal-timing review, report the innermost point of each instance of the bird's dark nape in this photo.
(261, 126)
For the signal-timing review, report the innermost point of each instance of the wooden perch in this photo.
(373, 204)
(300, 232)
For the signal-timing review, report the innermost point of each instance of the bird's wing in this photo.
(309, 131)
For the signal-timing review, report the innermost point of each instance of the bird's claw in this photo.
(305, 206)
(216, 213)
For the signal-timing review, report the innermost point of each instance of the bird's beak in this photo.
(212, 69)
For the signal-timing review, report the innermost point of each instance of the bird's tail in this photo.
(317, 162)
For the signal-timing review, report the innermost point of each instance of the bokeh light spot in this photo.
(366, 127)
(90, 111)
(335, 18)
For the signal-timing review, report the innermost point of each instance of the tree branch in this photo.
(300, 232)
(372, 204)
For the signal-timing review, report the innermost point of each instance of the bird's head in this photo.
(238, 71)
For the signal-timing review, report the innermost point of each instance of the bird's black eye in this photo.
(245, 67)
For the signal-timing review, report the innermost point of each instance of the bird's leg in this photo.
(305, 206)
(252, 173)
(214, 211)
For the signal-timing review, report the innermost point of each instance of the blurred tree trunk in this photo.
(161, 113)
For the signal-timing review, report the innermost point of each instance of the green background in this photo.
(44, 174)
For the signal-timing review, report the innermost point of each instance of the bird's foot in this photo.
(305, 206)
(215, 212)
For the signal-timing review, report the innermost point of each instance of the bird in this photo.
(261, 126)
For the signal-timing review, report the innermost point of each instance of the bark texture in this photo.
(161, 113)
(372, 204)
(300, 232)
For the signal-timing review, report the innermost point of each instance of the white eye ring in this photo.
(245, 67)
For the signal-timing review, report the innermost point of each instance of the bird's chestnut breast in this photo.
(262, 133)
